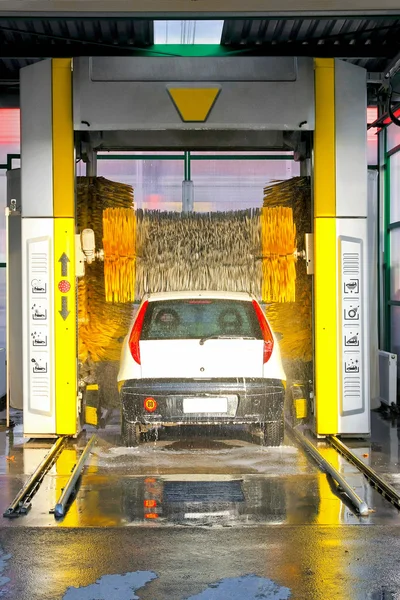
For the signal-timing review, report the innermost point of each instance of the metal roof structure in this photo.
(370, 42)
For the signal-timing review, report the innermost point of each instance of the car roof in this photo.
(182, 295)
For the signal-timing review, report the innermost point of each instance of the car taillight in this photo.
(136, 333)
(266, 332)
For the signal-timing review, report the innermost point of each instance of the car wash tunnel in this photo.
(199, 301)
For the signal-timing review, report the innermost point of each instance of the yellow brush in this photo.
(119, 245)
(294, 319)
(294, 322)
(102, 325)
(278, 239)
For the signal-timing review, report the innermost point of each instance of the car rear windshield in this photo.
(194, 319)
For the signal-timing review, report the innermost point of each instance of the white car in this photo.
(201, 358)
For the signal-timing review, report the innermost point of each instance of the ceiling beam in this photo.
(74, 49)
(209, 8)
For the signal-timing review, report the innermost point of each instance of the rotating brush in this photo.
(101, 324)
(294, 319)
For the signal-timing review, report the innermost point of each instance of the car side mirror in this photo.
(278, 336)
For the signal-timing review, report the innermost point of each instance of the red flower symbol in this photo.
(64, 286)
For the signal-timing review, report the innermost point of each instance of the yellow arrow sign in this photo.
(194, 104)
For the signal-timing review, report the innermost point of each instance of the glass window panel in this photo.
(192, 319)
(157, 184)
(372, 147)
(224, 185)
(395, 187)
(395, 264)
(206, 32)
(80, 169)
(9, 144)
(2, 332)
(372, 136)
(234, 153)
(395, 334)
(3, 202)
(393, 136)
(2, 307)
(188, 32)
(9, 132)
(372, 114)
(142, 153)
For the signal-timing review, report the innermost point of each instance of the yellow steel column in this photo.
(325, 280)
(64, 249)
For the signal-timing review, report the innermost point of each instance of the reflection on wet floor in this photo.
(197, 517)
(381, 452)
(187, 480)
(250, 587)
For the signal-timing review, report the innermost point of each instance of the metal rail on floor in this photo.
(60, 507)
(22, 502)
(360, 505)
(373, 478)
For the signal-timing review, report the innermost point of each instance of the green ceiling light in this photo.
(188, 32)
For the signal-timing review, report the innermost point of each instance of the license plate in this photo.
(205, 405)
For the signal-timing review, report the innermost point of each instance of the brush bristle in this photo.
(119, 244)
(278, 236)
(213, 251)
(294, 320)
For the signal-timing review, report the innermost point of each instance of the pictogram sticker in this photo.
(64, 286)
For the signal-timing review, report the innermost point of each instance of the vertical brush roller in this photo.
(119, 245)
(278, 239)
(294, 319)
(101, 325)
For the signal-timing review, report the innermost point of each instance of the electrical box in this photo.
(309, 246)
(387, 377)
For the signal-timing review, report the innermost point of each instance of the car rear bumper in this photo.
(248, 400)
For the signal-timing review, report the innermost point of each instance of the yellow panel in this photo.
(91, 415)
(65, 326)
(301, 408)
(324, 139)
(63, 139)
(325, 284)
(194, 104)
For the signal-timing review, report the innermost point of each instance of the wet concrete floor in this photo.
(205, 517)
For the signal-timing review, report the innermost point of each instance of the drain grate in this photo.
(203, 491)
